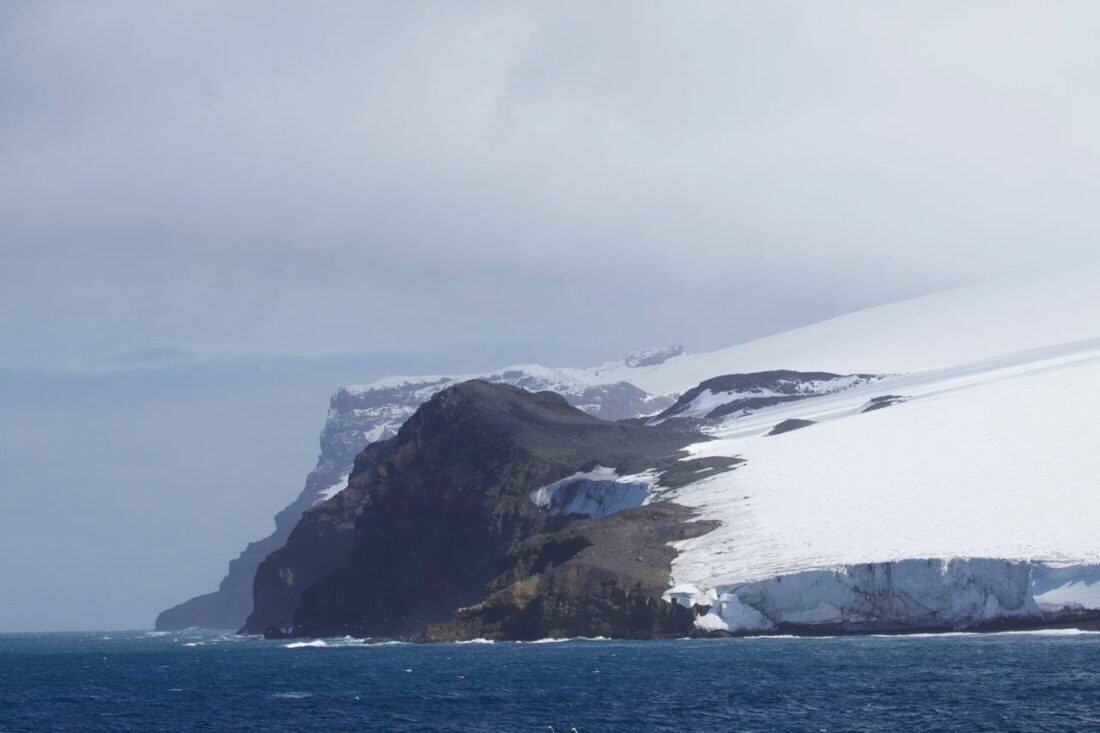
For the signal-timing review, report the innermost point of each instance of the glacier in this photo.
(900, 595)
(972, 501)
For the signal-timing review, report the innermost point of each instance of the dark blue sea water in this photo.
(139, 681)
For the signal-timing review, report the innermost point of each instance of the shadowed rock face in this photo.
(320, 542)
(595, 577)
(437, 518)
(788, 425)
(357, 417)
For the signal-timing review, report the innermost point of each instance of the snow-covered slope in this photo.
(962, 498)
(939, 330)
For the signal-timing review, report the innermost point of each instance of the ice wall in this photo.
(899, 595)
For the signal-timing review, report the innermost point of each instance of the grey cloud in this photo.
(242, 177)
(152, 356)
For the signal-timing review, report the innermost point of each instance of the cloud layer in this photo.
(559, 182)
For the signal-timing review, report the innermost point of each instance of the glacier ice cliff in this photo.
(901, 595)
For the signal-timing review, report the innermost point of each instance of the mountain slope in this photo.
(360, 415)
(968, 501)
(718, 397)
(430, 517)
(984, 479)
(937, 330)
(953, 336)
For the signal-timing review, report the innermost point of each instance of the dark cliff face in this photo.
(593, 577)
(359, 416)
(320, 542)
(434, 518)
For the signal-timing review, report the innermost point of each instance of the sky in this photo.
(212, 214)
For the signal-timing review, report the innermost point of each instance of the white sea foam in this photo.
(970, 634)
(1047, 632)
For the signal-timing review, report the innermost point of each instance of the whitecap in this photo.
(927, 635)
(1046, 632)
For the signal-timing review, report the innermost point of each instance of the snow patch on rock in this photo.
(794, 387)
(599, 492)
(331, 491)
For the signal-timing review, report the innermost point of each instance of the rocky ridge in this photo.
(441, 518)
(740, 394)
(363, 414)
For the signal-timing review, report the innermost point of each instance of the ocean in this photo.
(119, 681)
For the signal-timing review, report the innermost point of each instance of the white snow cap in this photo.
(985, 466)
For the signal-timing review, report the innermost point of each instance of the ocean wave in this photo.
(929, 635)
(784, 636)
(960, 634)
(559, 639)
(1047, 632)
(341, 643)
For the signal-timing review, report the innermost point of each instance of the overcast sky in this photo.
(241, 205)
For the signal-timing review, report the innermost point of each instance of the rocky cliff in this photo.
(360, 415)
(447, 516)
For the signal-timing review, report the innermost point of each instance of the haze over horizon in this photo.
(211, 216)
